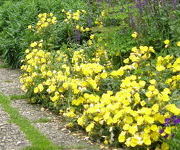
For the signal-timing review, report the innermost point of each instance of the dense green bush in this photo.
(15, 16)
(154, 21)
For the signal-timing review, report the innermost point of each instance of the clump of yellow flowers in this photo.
(137, 107)
(44, 20)
(127, 105)
(76, 19)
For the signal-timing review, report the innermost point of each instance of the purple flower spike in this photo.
(174, 117)
(166, 136)
(167, 120)
(161, 131)
(176, 121)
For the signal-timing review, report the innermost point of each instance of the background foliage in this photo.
(15, 16)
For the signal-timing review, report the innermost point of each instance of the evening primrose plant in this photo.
(77, 21)
(128, 105)
(134, 105)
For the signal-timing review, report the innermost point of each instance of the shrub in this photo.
(129, 105)
(154, 21)
(15, 16)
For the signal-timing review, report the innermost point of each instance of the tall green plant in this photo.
(15, 17)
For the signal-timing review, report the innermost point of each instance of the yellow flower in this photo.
(30, 27)
(33, 44)
(167, 130)
(166, 42)
(104, 75)
(147, 141)
(154, 128)
(142, 83)
(92, 36)
(36, 90)
(81, 121)
(128, 120)
(155, 107)
(40, 15)
(178, 43)
(122, 137)
(149, 94)
(87, 29)
(40, 87)
(89, 42)
(160, 68)
(70, 114)
(52, 88)
(140, 120)
(163, 96)
(126, 127)
(133, 129)
(40, 45)
(90, 127)
(55, 98)
(134, 35)
(143, 103)
(77, 27)
(51, 14)
(103, 13)
(83, 11)
(49, 73)
(172, 108)
(151, 88)
(153, 81)
(27, 51)
(149, 119)
(126, 61)
(106, 142)
(167, 91)
(134, 142)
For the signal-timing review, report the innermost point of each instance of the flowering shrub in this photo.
(16, 15)
(130, 105)
(44, 20)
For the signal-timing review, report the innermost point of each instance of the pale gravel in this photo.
(54, 129)
(11, 137)
(9, 82)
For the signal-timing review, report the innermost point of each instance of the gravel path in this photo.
(54, 127)
(9, 82)
(11, 138)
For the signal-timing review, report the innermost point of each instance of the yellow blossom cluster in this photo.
(99, 20)
(136, 108)
(166, 62)
(44, 20)
(127, 105)
(132, 112)
(73, 15)
(74, 18)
